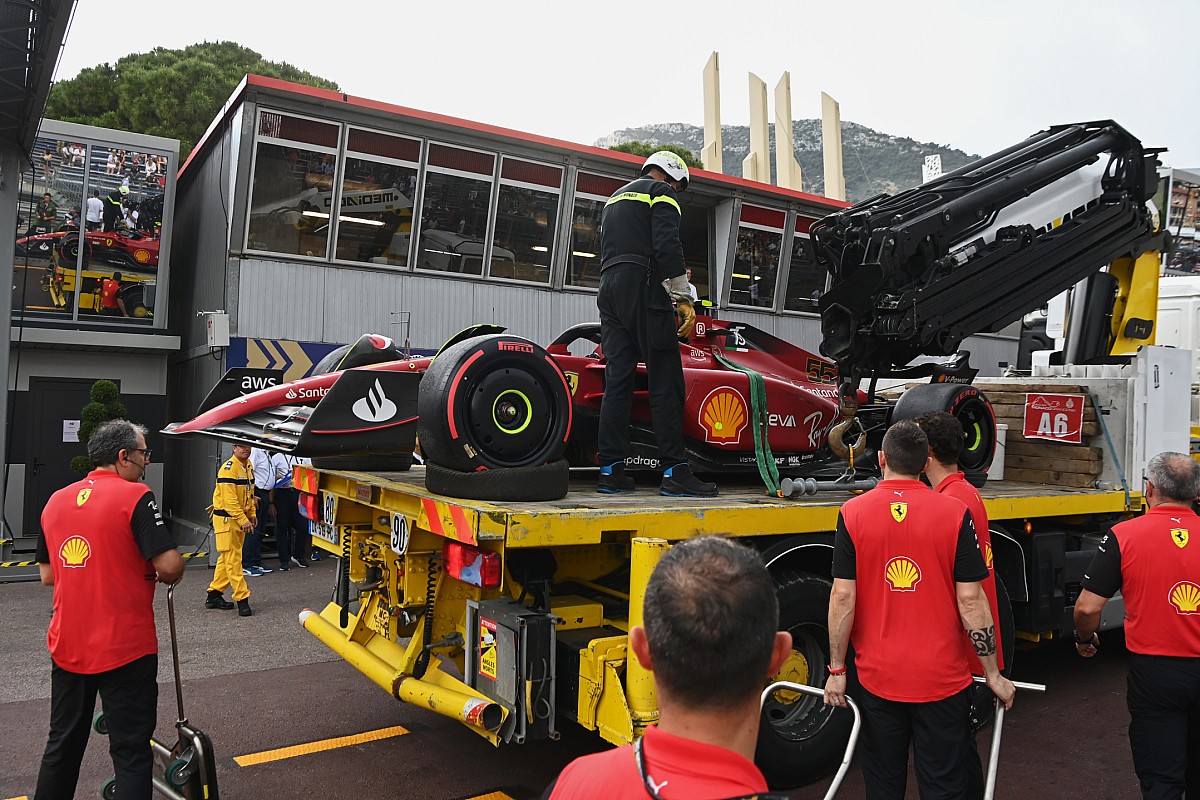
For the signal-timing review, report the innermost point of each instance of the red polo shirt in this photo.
(98, 536)
(956, 486)
(681, 769)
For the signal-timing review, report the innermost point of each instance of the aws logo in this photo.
(1185, 596)
(723, 416)
(902, 574)
(75, 552)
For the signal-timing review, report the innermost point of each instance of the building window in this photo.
(454, 209)
(526, 221)
(591, 193)
(756, 260)
(379, 183)
(806, 280)
(295, 166)
(89, 246)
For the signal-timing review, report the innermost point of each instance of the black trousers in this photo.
(291, 530)
(1164, 724)
(637, 323)
(130, 698)
(937, 732)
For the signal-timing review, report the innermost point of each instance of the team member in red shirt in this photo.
(111, 303)
(102, 547)
(711, 639)
(907, 572)
(1155, 564)
(945, 434)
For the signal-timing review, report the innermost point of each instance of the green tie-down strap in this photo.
(759, 424)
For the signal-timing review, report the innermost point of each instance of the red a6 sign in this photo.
(1056, 417)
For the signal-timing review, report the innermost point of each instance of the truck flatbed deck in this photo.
(744, 509)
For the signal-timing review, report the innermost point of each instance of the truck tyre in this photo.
(388, 463)
(969, 406)
(543, 482)
(493, 402)
(800, 738)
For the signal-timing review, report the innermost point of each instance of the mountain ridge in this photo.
(873, 162)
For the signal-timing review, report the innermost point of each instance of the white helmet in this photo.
(671, 164)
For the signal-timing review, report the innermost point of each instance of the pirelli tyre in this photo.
(68, 250)
(514, 484)
(969, 406)
(493, 402)
(800, 738)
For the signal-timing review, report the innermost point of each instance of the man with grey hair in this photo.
(103, 545)
(711, 640)
(1155, 564)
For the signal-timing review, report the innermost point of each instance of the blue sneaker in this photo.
(263, 569)
(316, 555)
(251, 572)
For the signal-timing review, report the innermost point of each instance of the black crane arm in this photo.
(977, 248)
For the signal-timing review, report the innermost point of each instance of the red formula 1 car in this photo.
(489, 401)
(126, 248)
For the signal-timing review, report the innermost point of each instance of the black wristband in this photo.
(1093, 640)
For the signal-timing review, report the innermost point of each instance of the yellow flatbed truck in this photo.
(428, 588)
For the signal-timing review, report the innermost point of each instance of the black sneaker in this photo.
(217, 600)
(244, 608)
(678, 481)
(297, 562)
(614, 480)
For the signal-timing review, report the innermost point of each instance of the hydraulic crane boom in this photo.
(973, 250)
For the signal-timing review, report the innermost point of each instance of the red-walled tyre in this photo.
(68, 250)
(969, 406)
(493, 402)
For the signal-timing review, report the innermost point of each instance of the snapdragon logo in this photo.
(375, 407)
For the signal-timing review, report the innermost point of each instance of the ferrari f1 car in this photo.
(489, 401)
(911, 275)
(123, 249)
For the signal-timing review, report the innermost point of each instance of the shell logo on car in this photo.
(723, 416)
(1185, 596)
(75, 552)
(902, 574)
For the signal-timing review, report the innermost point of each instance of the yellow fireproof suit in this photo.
(233, 506)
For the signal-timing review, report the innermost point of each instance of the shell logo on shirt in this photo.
(723, 416)
(1185, 596)
(902, 574)
(987, 555)
(1180, 537)
(75, 552)
(899, 511)
(83, 496)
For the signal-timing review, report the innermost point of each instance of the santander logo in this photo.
(375, 407)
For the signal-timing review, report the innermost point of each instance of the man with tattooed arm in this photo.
(907, 581)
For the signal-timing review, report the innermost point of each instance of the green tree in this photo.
(646, 148)
(105, 405)
(172, 93)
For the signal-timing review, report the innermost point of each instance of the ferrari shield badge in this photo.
(899, 511)
(84, 494)
(1180, 537)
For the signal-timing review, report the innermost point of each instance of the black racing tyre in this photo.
(983, 706)
(800, 738)
(543, 482)
(388, 463)
(969, 406)
(495, 401)
(108, 789)
(68, 249)
(100, 724)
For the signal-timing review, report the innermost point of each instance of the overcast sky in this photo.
(975, 75)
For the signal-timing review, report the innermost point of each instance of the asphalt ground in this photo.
(260, 684)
